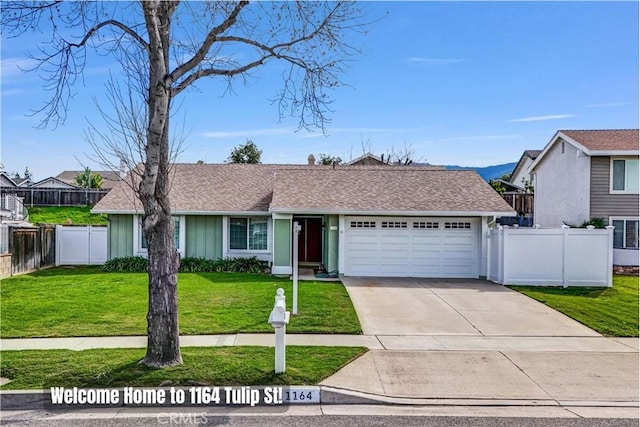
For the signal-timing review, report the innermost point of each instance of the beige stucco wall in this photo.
(562, 187)
(5, 266)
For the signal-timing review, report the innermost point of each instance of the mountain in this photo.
(487, 172)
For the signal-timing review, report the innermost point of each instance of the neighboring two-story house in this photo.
(586, 174)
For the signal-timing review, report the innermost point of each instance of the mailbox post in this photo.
(279, 319)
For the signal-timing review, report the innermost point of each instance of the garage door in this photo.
(411, 247)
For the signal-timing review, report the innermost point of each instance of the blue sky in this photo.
(467, 83)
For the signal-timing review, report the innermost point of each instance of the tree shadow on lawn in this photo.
(194, 372)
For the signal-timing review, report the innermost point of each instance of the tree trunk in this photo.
(163, 344)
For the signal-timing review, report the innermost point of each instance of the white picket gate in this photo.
(81, 245)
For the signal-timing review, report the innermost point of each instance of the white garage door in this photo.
(411, 247)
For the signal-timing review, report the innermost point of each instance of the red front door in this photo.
(310, 240)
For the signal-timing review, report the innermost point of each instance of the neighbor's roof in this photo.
(109, 178)
(532, 154)
(603, 142)
(237, 188)
(606, 140)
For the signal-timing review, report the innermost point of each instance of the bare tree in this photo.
(403, 156)
(170, 46)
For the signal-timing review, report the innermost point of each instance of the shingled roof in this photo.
(384, 190)
(240, 188)
(605, 140)
(109, 178)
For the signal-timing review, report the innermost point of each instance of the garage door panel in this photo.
(433, 240)
(437, 247)
(391, 238)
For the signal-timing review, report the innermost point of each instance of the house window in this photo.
(624, 175)
(457, 225)
(248, 234)
(394, 224)
(625, 233)
(176, 233)
(362, 224)
(426, 225)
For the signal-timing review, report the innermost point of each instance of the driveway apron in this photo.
(482, 343)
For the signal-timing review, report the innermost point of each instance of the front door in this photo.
(310, 240)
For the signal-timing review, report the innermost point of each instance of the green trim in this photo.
(332, 263)
(282, 242)
(203, 236)
(120, 236)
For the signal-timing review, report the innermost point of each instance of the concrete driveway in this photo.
(409, 307)
(472, 342)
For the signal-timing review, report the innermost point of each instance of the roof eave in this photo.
(179, 212)
(614, 153)
(391, 213)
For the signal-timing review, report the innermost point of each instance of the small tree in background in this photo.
(245, 153)
(499, 186)
(325, 159)
(87, 179)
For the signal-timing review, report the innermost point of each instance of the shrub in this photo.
(136, 264)
(232, 265)
(127, 264)
(596, 222)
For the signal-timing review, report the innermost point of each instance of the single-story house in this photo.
(53, 182)
(356, 220)
(9, 182)
(109, 178)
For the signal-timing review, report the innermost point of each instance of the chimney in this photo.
(123, 168)
(311, 160)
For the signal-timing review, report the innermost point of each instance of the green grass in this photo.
(220, 366)
(79, 215)
(610, 311)
(83, 301)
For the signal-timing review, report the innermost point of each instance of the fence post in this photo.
(502, 274)
(610, 229)
(488, 239)
(58, 240)
(565, 237)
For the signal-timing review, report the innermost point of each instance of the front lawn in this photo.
(610, 311)
(83, 301)
(79, 215)
(219, 366)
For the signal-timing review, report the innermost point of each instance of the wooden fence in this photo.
(56, 196)
(520, 202)
(32, 248)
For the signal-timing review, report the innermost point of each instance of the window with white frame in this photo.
(142, 241)
(624, 175)
(248, 234)
(625, 233)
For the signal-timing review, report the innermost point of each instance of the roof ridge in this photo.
(598, 130)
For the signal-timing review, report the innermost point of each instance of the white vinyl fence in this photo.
(551, 257)
(85, 245)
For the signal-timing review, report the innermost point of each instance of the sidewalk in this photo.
(372, 342)
(583, 376)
